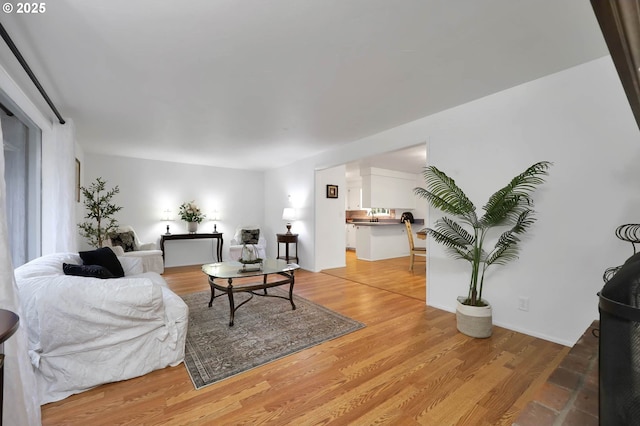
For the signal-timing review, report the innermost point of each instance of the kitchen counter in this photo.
(384, 239)
(385, 222)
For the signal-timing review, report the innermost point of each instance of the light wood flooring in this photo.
(409, 366)
(390, 274)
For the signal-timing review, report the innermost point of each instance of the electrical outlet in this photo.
(523, 303)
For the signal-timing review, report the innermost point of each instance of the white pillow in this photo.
(131, 265)
(117, 250)
(49, 264)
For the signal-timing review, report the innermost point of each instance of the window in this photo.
(22, 154)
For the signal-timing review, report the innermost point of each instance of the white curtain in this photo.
(21, 405)
(59, 229)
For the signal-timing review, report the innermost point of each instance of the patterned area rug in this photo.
(265, 329)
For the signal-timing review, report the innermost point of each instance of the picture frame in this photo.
(332, 191)
(77, 180)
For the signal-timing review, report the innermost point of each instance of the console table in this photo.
(287, 239)
(214, 235)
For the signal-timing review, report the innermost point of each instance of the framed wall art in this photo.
(332, 191)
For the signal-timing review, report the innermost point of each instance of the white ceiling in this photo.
(409, 160)
(257, 84)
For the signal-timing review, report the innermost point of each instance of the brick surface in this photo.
(592, 380)
(565, 378)
(576, 362)
(579, 418)
(535, 414)
(587, 401)
(570, 395)
(553, 396)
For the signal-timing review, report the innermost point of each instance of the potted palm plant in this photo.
(510, 208)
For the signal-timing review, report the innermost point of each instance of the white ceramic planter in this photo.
(192, 227)
(474, 321)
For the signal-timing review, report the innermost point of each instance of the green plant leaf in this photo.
(443, 194)
(445, 239)
(524, 221)
(510, 206)
(506, 204)
(506, 249)
(99, 212)
(454, 231)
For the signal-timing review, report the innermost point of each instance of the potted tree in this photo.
(510, 208)
(100, 211)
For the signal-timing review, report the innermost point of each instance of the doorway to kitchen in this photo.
(380, 191)
(388, 270)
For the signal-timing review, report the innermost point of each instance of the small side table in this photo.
(287, 239)
(8, 325)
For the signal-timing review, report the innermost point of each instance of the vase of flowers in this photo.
(191, 213)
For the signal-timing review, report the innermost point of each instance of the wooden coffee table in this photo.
(233, 270)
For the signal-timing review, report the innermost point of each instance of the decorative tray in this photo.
(251, 267)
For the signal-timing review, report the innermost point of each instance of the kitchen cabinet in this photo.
(388, 188)
(354, 198)
(351, 236)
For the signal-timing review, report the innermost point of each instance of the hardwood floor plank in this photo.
(408, 366)
(463, 400)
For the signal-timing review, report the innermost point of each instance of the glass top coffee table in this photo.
(234, 270)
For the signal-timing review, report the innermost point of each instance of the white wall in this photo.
(149, 187)
(292, 186)
(580, 120)
(330, 236)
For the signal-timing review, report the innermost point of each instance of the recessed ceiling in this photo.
(257, 84)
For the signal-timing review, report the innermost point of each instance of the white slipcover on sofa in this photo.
(151, 257)
(236, 244)
(84, 331)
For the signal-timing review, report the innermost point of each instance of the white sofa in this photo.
(152, 260)
(84, 331)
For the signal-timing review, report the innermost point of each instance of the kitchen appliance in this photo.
(407, 216)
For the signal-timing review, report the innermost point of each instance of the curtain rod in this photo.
(26, 67)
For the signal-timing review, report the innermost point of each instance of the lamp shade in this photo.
(289, 214)
(166, 215)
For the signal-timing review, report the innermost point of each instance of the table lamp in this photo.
(214, 218)
(166, 217)
(289, 214)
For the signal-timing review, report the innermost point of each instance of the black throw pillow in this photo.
(95, 271)
(104, 257)
(250, 236)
